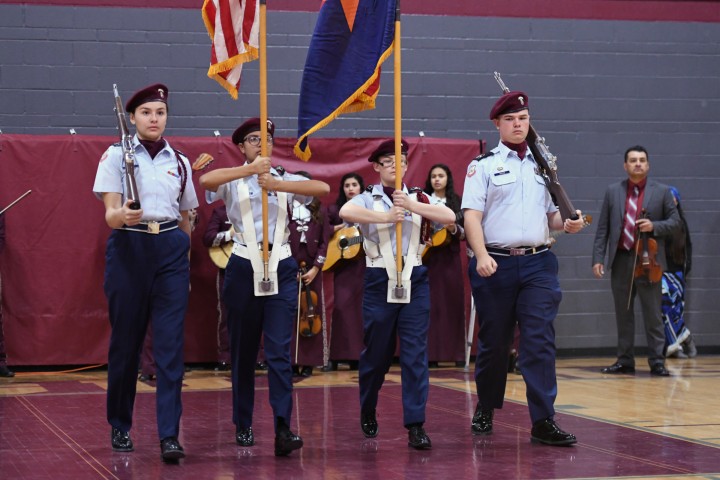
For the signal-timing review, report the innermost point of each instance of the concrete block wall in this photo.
(595, 86)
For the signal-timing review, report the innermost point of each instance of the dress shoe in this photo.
(285, 442)
(306, 372)
(547, 432)
(418, 439)
(245, 437)
(659, 370)
(120, 441)
(616, 368)
(146, 377)
(222, 367)
(171, 450)
(482, 421)
(368, 423)
(6, 372)
(262, 366)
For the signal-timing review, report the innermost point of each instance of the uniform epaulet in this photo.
(280, 169)
(484, 156)
(118, 144)
(416, 190)
(180, 153)
(369, 188)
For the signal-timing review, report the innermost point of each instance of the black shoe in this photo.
(353, 364)
(171, 450)
(285, 442)
(329, 367)
(368, 424)
(146, 378)
(547, 432)
(482, 421)
(245, 437)
(6, 372)
(616, 368)
(418, 439)
(306, 372)
(222, 367)
(261, 366)
(120, 441)
(659, 370)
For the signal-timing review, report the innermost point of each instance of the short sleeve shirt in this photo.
(513, 197)
(228, 193)
(370, 230)
(158, 181)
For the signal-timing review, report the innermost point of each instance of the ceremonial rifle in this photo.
(548, 167)
(128, 152)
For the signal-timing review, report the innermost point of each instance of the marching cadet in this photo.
(256, 306)
(387, 312)
(147, 271)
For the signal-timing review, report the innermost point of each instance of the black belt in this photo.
(517, 251)
(144, 227)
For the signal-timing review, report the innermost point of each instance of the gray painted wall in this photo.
(596, 88)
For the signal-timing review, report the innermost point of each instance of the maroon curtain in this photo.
(52, 268)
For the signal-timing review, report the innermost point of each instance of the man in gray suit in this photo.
(631, 207)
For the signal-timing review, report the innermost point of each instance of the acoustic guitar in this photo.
(439, 239)
(220, 255)
(345, 244)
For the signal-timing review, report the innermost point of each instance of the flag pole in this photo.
(397, 76)
(263, 139)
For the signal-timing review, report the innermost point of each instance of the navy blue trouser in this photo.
(147, 277)
(249, 317)
(383, 322)
(524, 290)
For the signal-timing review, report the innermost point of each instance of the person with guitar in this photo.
(509, 213)
(446, 338)
(252, 310)
(147, 271)
(634, 212)
(389, 311)
(346, 340)
(309, 235)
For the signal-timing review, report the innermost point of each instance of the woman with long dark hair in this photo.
(346, 337)
(309, 235)
(446, 338)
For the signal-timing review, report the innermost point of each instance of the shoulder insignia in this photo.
(280, 169)
(484, 156)
(118, 144)
(415, 190)
(369, 188)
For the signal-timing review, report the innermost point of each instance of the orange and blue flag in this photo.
(352, 39)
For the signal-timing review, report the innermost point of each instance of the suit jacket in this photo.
(659, 204)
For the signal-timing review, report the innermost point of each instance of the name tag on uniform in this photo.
(503, 177)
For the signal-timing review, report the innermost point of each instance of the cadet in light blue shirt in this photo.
(253, 312)
(147, 271)
(386, 315)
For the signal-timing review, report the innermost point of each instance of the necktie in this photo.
(630, 216)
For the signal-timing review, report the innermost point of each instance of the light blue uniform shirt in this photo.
(158, 181)
(370, 231)
(228, 193)
(513, 198)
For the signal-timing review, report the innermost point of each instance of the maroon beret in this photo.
(511, 102)
(153, 93)
(387, 148)
(252, 125)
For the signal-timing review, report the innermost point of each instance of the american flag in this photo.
(233, 26)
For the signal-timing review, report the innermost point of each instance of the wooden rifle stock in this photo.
(128, 152)
(548, 167)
